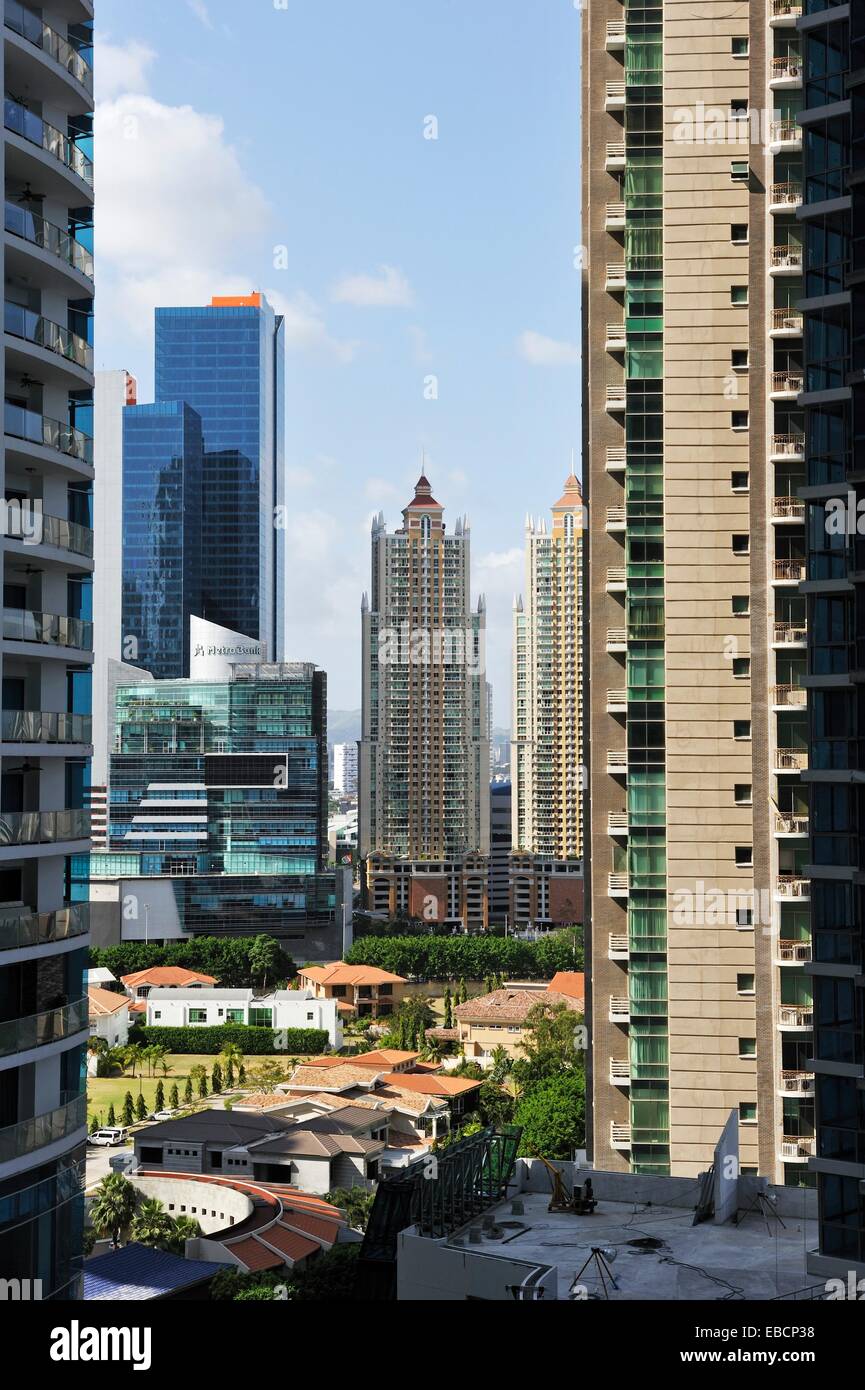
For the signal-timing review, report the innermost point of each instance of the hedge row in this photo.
(470, 957)
(253, 1042)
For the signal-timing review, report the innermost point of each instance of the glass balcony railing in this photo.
(21, 222)
(33, 328)
(39, 726)
(22, 423)
(36, 528)
(28, 928)
(30, 1135)
(43, 827)
(20, 1034)
(30, 26)
(56, 630)
(32, 127)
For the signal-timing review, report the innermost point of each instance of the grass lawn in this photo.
(103, 1090)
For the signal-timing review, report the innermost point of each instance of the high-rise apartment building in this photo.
(424, 820)
(833, 222)
(547, 718)
(701, 1004)
(345, 769)
(47, 638)
(204, 485)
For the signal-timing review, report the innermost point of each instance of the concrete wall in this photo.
(432, 1272)
(212, 1205)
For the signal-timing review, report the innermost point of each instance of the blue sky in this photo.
(247, 146)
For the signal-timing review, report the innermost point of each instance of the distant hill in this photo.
(343, 725)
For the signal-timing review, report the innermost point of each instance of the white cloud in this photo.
(501, 559)
(546, 352)
(122, 68)
(379, 490)
(199, 9)
(305, 327)
(388, 290)
(420, 347)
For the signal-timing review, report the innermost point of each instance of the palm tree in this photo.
(132, 1057)
(231, 1056)
(152, 1225)
(185, 1228)
(114, 1206)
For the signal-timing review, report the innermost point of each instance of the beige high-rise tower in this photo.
(694, 455)
(546, 748)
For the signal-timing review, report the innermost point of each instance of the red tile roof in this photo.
(293, 1246)
(166, 976)
(104, 1002)
(254, 1255)
(571, 983)
(338, 973)
(430, 1085)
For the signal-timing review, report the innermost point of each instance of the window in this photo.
(741, 668)
(739, 108)
(747, 1047)
(742, 728)
(741, 544)
(744, 984)
(740, 46)
(744, 918)
(157, 1013)
(738, 294)
(739, 420)
(748, 1112)
(743, 793)
(740, 170)
(744, 856)
(739, 234)
(740, 482)
(741, 605)
(739, 359)
(197, 1015)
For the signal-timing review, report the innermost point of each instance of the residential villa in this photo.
(108, 1015)
(202, 1006)
(139, 984)
(359, 990)
(499, 1020)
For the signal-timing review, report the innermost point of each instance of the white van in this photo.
(108, 1138)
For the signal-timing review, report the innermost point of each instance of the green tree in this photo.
(502, 1064)
(202, 1086)
(141, 1107)
(174, 1097)
(241, 1075)
(229, 1074)
(356, 1202)
(449, 1008)
(185, 1228)
(128, 1109)
(112, 1117)
(132, 1057)
(266, 1076)
(264, 956)
(495, 1105)
(550, 1042)
(94, 1124)
(159, 1102)
(552, 1115)
(114, 1206)
(187, 1090)
(216, 1079)
(152, 1224)
(463, 992)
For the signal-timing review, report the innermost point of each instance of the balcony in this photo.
(797, 1083)
(785, 197)
(614, 160)
(795, 1018)
(789, 697)
(22, 323)
(790, 634)
(616, 460)
(28, 1136)
(615, 42)
(614, 96)
(620, 1010)
(38, 1030)
(617, 885)
(617, 702)
(618, 948)
(617, 822)
(788, 447)
(28, 928)
(31, 27)
(39, 726)
(797, 1149)
(617, 518)
(43, 827)
(616, 400)
(617, 762)
(791, 760)
(617, 640)
(785, 260)
(620, 1136)
(616, 278)
(783, 14)
(786, 72)
(29, 226)
(37, 528)
(794, 952)
(789, 510)
(51, 629)
(785, 386)
(787, 826)
(617, 579)
(786, 323)
(785, 572)
(615, 340)
(615, 217)
(785, 137)
(620, 1073)
(31, 127)
(20, 423)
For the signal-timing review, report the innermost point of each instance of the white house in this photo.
(108, 1015)
(285, 1008)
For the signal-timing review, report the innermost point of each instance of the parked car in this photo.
(108, 1138)
(161, 1115)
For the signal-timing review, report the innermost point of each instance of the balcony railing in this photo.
(32, 127)
(616, 516)
(617, 700)
(618, 948)
(55, 630)
(21, 423)
(789, 695)
(793, 1146)
(617, 459)
(614, 94)
(792, 886)
(615, 212)
(800, 1083)
(31, 27)
(616, 276)
(41, 726)
(615, 33)
(796, 1016)
(617, 762)
(617, 576)
(788, 508)
(790, 634)
(615, 152)
(786, 258)
(43, 827)
(785, 9)
(620, 1010)
(38, 1030)
(28, 1136)
(789, 570)
(48, 237)
(791, 759)
(33, 328)
(615, 338)
(617, 885)
(28, 928)
(620, 1135)
(785, 133)
(787, 383)
(617, 637)
(785, 195)
(787, 321)
(617, 822)
(789, 445)
(37, 528)
(616, 399)
(790, 825)
(794, 952)
(620, 1072)
(787, 67)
